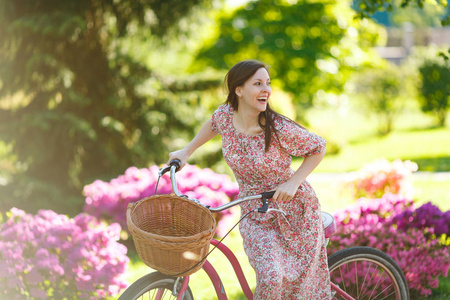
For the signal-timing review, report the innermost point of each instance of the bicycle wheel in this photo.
(367, 273)
(154, 286)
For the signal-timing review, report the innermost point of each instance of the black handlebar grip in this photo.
(265, 203)
(177, 163)
(268, 195)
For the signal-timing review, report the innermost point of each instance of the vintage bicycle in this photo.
(355, 272)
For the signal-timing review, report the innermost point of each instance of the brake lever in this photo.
(176, 162)
(277, 210)
(163, 171)
(265, 203)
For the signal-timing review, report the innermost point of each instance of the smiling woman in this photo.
(287, 252)
(254, 93)
(254, 96)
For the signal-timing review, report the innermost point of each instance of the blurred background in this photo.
(90, 88)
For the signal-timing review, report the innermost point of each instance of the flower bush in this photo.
(381, 177)
(428, 218)
(109, 200)
(383, 224)
(51, 256)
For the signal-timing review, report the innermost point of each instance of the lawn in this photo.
(428, 187)
(413, 138)
(429, 148)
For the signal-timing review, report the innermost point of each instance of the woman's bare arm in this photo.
(286, 191)
(205, 134)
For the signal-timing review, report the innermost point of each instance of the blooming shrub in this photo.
(381, 177)
(373, 223)
(109, 200)
(428, 218)
(51, 256)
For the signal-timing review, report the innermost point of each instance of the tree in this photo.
(71, 100)
(366, 8)
(435, 88)
(381, 91)
(309, 46)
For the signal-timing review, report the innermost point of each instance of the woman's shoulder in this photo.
(280, 122)
(223, 111)
(220, 118)
(225, 108)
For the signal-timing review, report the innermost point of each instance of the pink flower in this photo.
(34, 277)
(381, 177)
(108, 200)
(373, 223)
(47, 251)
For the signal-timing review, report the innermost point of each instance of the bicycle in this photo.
(355, 273)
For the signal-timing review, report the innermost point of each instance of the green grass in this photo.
(428, 187)
(413, 138)
(429, 148)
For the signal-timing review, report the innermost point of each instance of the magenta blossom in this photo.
(393, 225)
(51, 256)
(109, 200)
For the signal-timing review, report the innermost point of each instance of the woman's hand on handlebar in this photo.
(286, 191)
(181, 155)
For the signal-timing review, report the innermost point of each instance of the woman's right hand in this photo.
(181, 155)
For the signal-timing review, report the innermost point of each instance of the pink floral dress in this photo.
(287, 252)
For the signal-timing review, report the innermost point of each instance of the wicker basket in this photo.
(171, 233)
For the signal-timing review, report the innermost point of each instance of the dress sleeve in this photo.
(297, 141)
(218, 119)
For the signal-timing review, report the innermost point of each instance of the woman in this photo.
(286, 251)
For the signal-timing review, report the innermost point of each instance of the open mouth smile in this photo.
(262, 99)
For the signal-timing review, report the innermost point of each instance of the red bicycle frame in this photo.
(217, 282)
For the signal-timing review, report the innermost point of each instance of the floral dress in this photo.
(287, 252)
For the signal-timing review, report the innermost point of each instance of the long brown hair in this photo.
(236, 77)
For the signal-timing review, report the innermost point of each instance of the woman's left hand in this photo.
(286, 191)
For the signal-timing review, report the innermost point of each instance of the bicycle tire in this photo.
(150, 284)
(367, 273)
(381, 253)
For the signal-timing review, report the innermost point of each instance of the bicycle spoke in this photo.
(154, 286)
(365, 277)
(378, 283)
(385, 290)
(372, 274)
(159, 294)
(356, 279)
(343, 281)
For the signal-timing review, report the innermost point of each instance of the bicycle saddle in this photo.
(329, 224)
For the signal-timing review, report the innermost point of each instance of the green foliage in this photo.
(72, 102)
(435, 89)
(366, 8)
(429, 15)
(309, 45)
(444, 55)
(381, 91)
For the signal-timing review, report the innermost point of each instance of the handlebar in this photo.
(175, 165)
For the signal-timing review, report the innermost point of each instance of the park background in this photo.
(90, 89)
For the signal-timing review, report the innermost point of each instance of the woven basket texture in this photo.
(171, 233)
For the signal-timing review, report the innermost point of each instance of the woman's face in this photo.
(255, 92)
